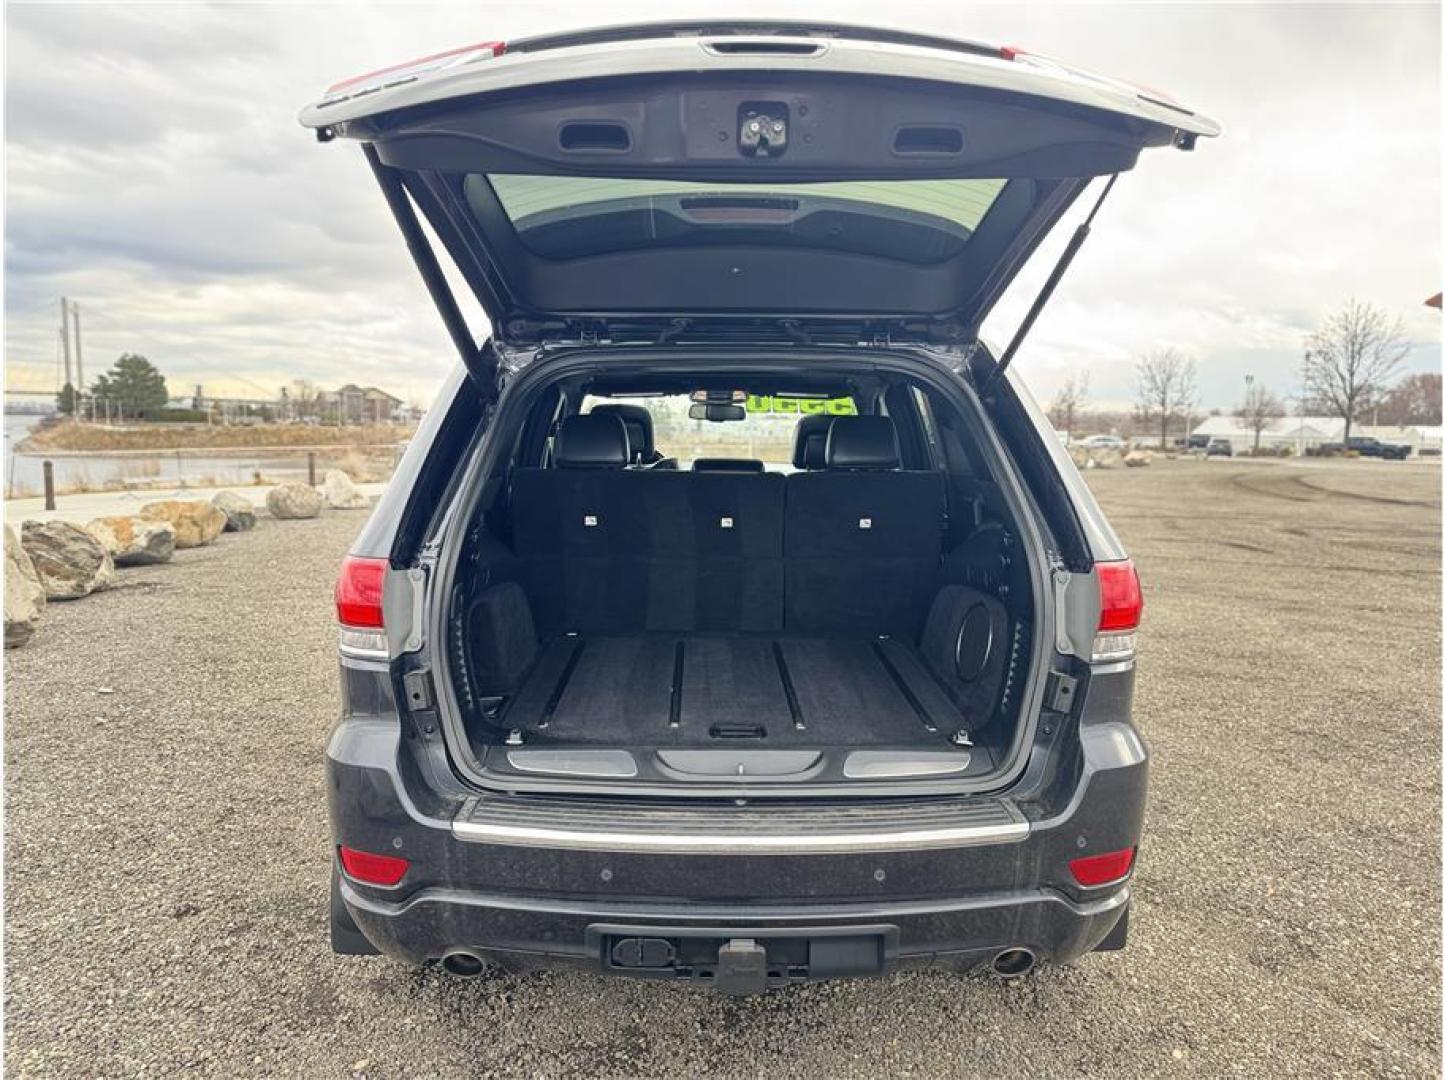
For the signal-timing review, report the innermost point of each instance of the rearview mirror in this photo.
(717, 413)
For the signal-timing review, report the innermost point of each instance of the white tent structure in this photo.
(1298, 433)
(1303, 433)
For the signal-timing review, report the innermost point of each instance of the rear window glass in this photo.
(571, 216)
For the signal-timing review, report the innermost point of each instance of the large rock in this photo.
(294, 501)
(24, 594)
(1137, 458)
(135, 541)
(240, 512)
(196, 521)
(340, 493)
(71, 563)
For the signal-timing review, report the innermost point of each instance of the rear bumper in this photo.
(548, 882)
(525, 932)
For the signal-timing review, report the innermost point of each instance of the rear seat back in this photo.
(609, 549)
(853, 549)
(567, 529)
(863, 538)
(709, 546)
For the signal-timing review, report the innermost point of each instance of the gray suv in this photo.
(735, 617)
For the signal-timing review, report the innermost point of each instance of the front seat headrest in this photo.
(862, 442)
(809, 444)
(591, 442)
(639, 429)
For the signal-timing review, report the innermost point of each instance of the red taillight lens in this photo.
(419, 65)
(1093, 870)
(1120, 597)
(373, 869)
(358, 592)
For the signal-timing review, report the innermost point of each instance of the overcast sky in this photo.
(156, 174)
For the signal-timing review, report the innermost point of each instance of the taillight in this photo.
(1093, 870)
(372, 869)
(359, 590)
(410, 69)
(1120, 608)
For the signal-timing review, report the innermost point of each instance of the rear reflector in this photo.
(1120, 608)
(373, 869)
(358, 592)
(1094, 870)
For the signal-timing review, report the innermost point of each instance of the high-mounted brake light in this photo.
(372, 869)
(1120, 608)
(412, 68)
(359, 590)
(1093, 870)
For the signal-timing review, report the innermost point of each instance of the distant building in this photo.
(354, 404)
(1303, 433)
(1297, 433)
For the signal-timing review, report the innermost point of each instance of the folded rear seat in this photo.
(863, 538)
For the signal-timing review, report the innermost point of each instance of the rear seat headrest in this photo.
(728, 464)
(862, 442)
(809, 444)
(592, 442)
(638, 419)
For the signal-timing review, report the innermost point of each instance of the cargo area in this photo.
(636, 607)
(733, 691)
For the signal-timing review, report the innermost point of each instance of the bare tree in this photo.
(1166, 390)
(1414, 399)
(1069, 401)
(1351, 358)
(1259, 411)
(304, 398)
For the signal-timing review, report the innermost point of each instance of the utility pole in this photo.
(65, 334)
(79, 363)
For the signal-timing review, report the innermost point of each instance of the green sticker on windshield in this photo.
(764, 403)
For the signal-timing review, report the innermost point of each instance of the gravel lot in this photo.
(166, 852)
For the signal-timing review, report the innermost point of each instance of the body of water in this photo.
(23, 475)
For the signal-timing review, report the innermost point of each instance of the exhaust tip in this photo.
(1014, 963)
(463, 965)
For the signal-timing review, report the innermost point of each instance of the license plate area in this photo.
(742, 960)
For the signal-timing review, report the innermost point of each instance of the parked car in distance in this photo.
(1196, 442)
(1219, 448)
(702, 711)
(1366, 446)
(1104, 442)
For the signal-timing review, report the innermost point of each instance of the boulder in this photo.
(340, 493)
(196, 521)
(24, 595)
(240, 512)
(69, 561)
(294, 501)
(135, 541)
(1136, 458)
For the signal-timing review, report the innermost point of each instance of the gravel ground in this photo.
(166, 853)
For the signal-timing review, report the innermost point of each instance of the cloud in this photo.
(164, 183)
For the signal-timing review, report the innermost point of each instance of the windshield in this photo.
(765, 431)
(571, 216)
